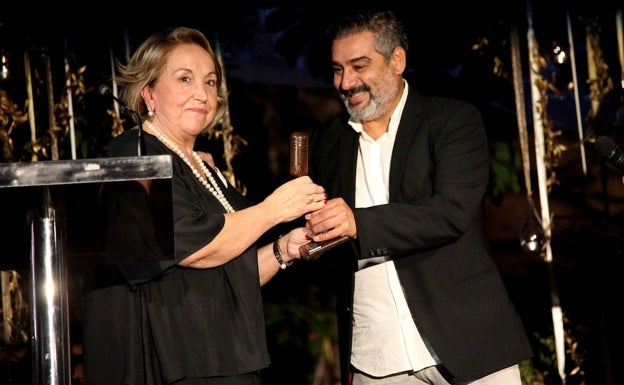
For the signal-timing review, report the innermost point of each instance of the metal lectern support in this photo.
(50, 322)
(50, 339)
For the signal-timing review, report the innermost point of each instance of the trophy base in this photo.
(313, 250)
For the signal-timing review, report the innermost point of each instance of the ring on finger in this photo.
(310, 199)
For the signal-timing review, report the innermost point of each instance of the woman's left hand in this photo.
(292, 241)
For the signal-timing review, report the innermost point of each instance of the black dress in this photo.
(148, 320)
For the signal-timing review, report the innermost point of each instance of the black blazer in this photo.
(433, 230)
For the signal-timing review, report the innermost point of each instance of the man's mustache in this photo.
(348, 93)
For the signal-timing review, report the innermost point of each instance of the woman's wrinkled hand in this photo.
(295, 198)
(293, 241)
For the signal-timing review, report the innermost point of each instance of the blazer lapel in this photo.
(408, 126)
(347, 159)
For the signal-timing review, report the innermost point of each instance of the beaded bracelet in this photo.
(278, 255)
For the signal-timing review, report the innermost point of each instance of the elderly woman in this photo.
(195, 317)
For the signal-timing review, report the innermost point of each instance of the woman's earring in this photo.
(150, 113)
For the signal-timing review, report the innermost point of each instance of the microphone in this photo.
(105, 90)
(610, 152)
(299, 167)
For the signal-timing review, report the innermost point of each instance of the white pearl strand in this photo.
(212, 186)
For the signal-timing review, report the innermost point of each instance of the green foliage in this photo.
(299, 322)
(542, 368)
(504, 164)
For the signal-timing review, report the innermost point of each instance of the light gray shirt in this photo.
(385, 337)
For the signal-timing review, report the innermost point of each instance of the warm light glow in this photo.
(4, 66)
(533, 240)
(560, 55)
(532, 234)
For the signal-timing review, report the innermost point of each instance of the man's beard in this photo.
(379, 102)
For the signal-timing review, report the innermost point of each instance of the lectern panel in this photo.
(52, 216)
(74, 188)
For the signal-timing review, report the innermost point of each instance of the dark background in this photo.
(276, 69)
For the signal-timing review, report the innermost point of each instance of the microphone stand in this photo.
(137, 119)
(139, 134)
(106, 91)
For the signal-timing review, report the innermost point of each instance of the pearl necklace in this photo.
(210, 184)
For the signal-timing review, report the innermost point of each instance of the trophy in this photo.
(299, 167)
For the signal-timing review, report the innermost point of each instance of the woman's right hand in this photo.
(295, 198)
